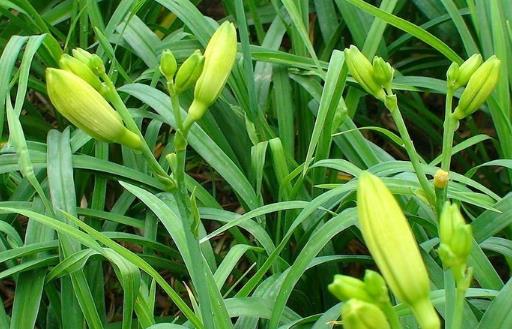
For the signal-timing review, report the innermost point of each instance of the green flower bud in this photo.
(382, 72)
(96, 65)
(219, 58)
(456, 237)
(168, 65)
(362, 71)
(467, 69)
(357, 314)
(80, 69)
(83, 106)
(346, 287)
(479, 88)
(82, 55)
(452, 74)
(94, 61)
(376, 287)
(391, 242)
(189, 72)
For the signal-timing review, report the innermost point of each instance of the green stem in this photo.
(459, 307)
(449, 127)
(448, 132)
(198, 270)
(175, 103)
(392, 106)
(119, 105)
(392, 317)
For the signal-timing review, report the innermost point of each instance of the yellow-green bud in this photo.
(362, 71)
(189, 72)
(82, 55)
(219, 58)
(96, 64)
(467, 69)
(391, 242)
(357, 314)
(83, 106)
(346, 287)
(382, 72)
(376, 287)
(75, 66)
(94, 61)
(168, 65)
(456, 237)
(479, 88)
(452, 74)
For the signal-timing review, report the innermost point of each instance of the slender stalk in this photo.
(448, 132)
(392, 317)
(459, 307)
(392, 105)
(198, 265)
(449, 127)
(119, 105)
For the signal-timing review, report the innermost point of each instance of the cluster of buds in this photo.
(184, 78)
(391, 242)
(78, 94)
(481, 81)
(374, 77)
(456, 241)
(458, 76)
(367, 302)
(208, 73)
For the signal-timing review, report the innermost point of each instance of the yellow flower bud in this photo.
(362, 71)
(346, 287)
(357, 314)
(189, 72)
(219, 58)
(441, 178)
(94, 61)
(83, 106)
(391, 242)
(479, 88)
(168, 65)
(80, 69)
(382, 72)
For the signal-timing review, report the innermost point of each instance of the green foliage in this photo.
(264, 212)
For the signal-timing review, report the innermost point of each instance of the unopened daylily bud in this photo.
(94, 61)
(357, 314)
(441, 179)
(467, 69)
(83, 106)
(362, 71)
(219, 58)
(456, 237)
(376, 287)
(96, 64)
(452, 74)
(82, 55)
(382, 72)
(75, 66)
(345, 287)
(189, 72)
(168, 65)
(479, 88)
(391, 242)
